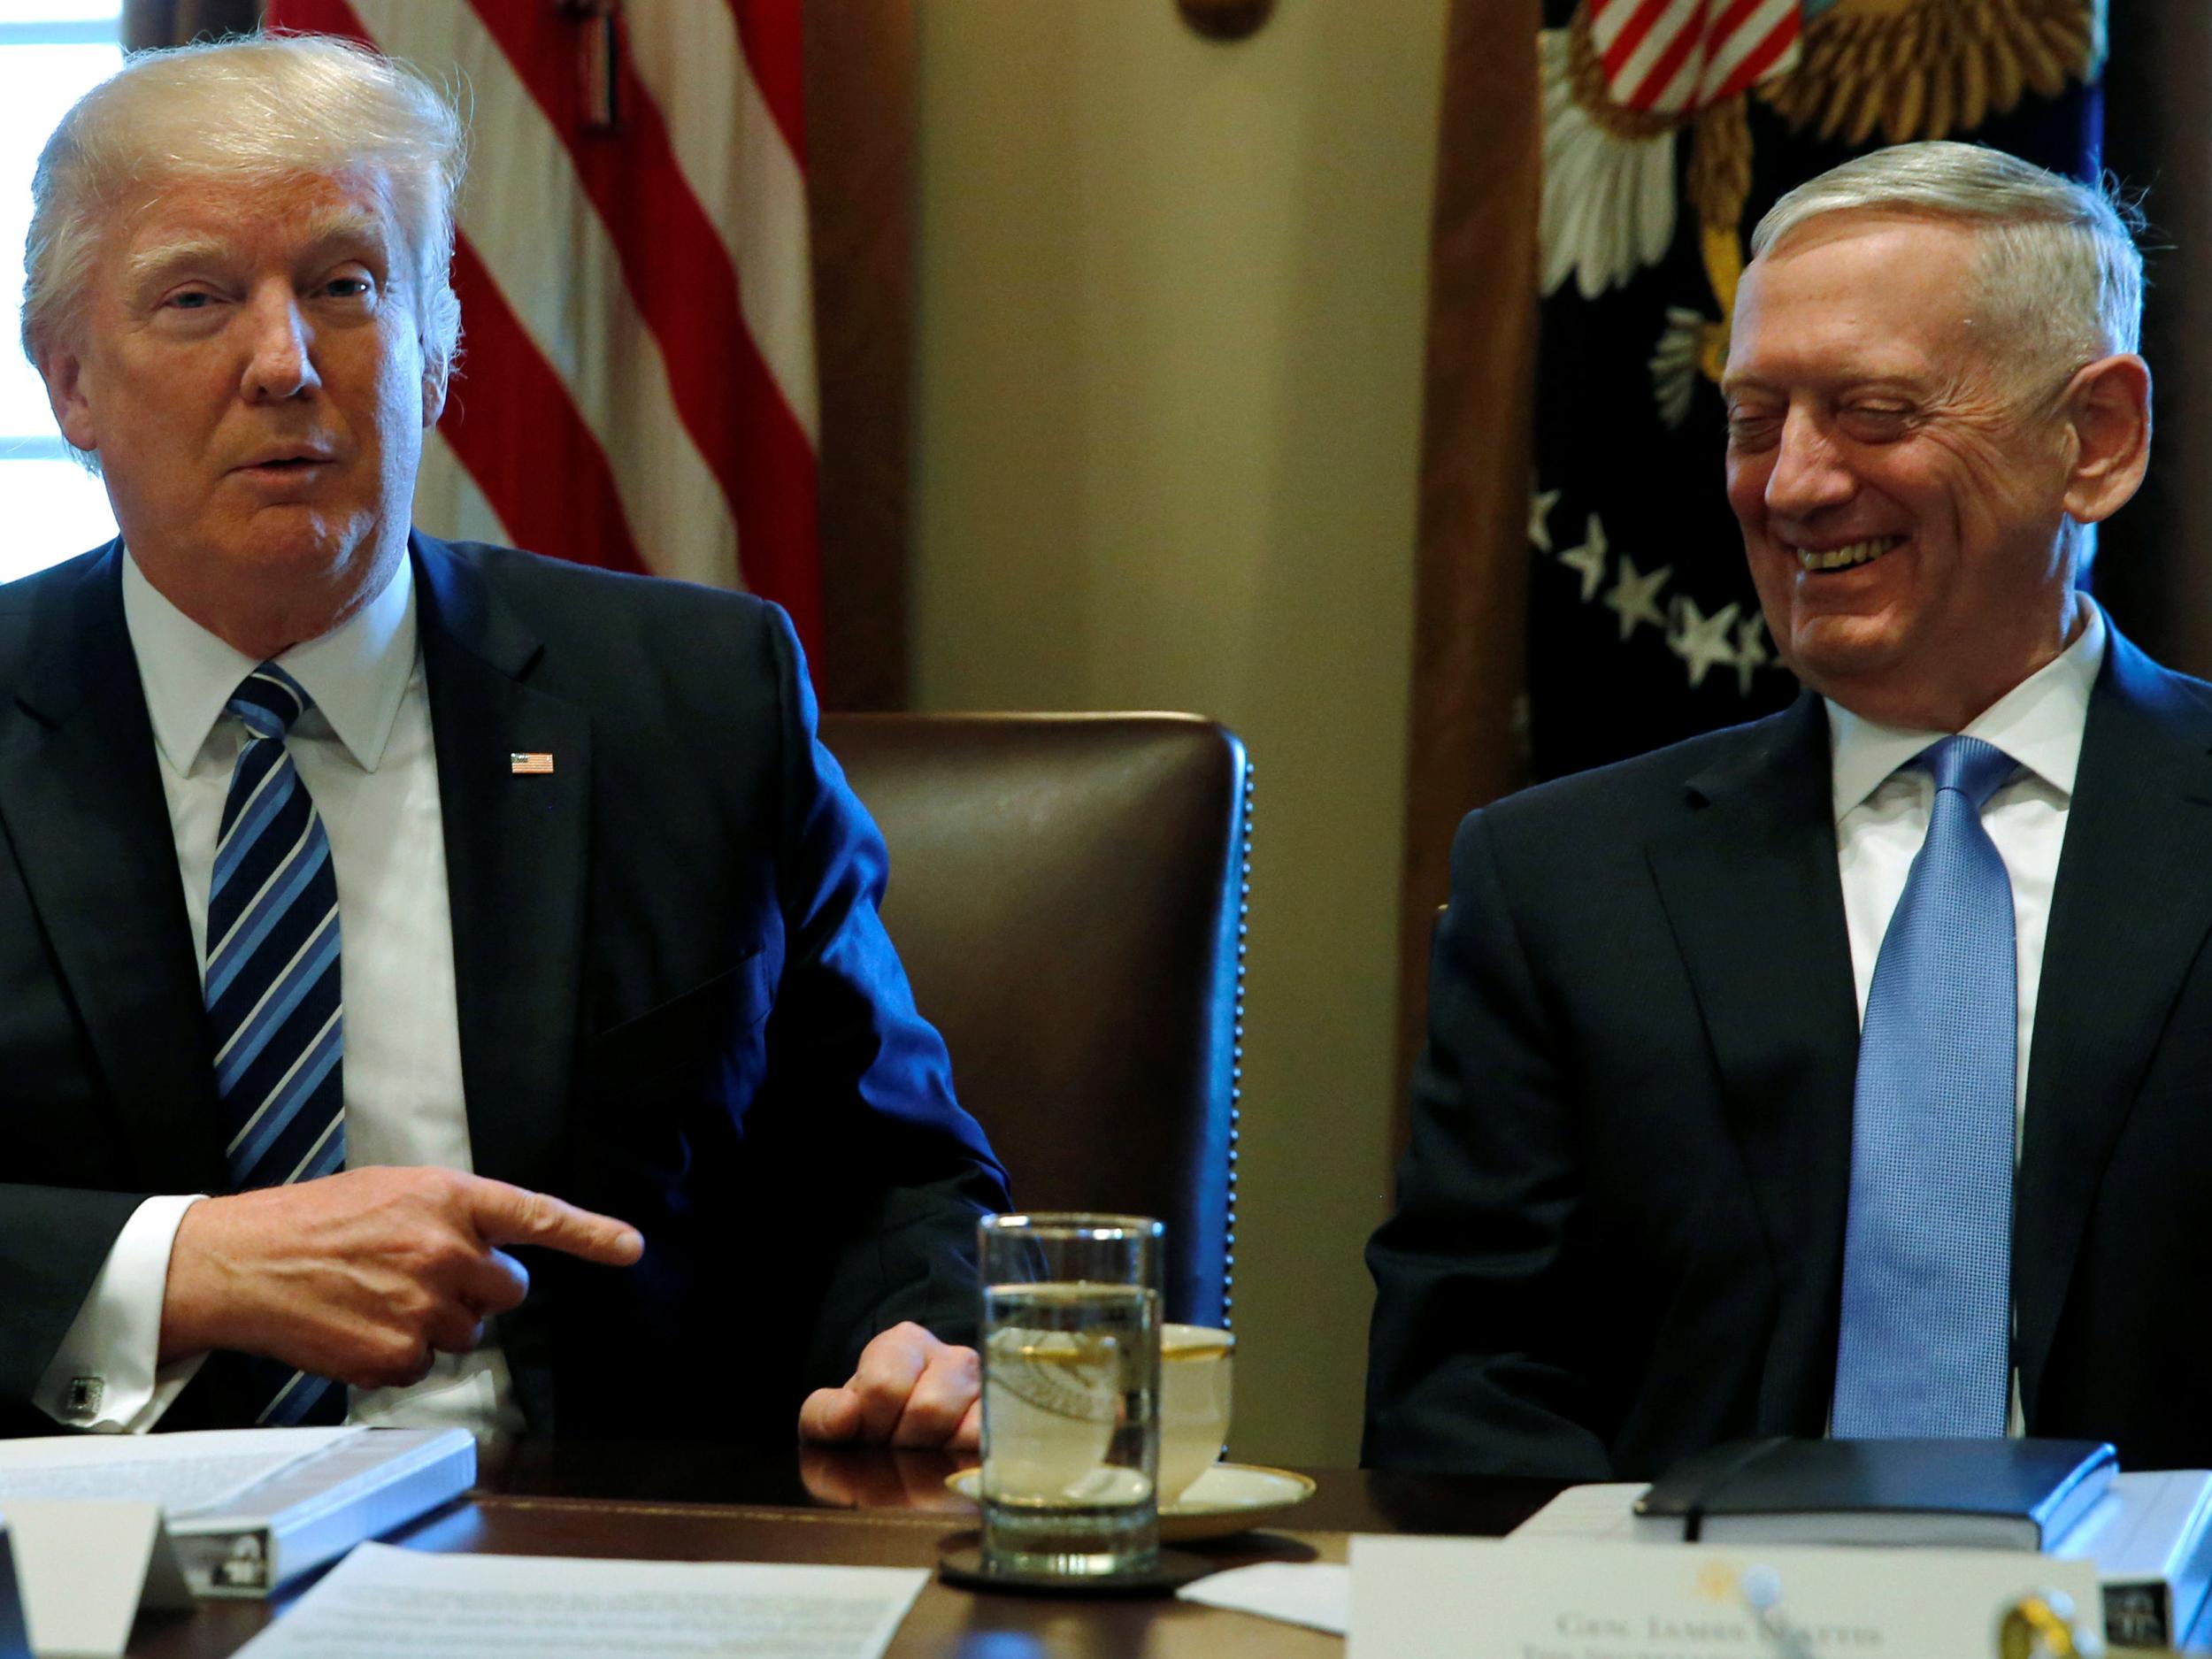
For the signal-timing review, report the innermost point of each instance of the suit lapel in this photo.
(1750, 887)
(2113, 960)
(515, 864)
(81, 804)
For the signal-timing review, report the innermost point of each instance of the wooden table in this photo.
(876, 1508)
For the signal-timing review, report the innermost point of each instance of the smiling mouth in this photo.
(1842, 557)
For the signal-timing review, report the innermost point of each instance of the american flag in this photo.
(1677, 57)
(637, 388)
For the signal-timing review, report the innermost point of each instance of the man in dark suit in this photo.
(1733, 1047)
(359, 894)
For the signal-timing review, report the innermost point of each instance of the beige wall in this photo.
(1169, 351)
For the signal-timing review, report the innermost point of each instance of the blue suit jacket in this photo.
(678, 1003)
(1619, 1233)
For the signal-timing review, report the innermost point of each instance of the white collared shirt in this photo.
(1882, 819)
(365, 753)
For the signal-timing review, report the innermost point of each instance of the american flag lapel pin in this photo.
(525, 765)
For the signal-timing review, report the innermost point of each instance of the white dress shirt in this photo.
(364, 751)
(1882, 819)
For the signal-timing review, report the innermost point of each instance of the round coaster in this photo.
(1177, 1568)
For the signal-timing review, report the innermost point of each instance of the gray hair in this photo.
(255, 109)
(2060, 268)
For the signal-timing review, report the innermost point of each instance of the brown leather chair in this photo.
(1068, 895)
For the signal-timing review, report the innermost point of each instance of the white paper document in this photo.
(1318, 1595)
(382, 1602)
(183, 1474)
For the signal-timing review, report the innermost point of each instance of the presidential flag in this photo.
(1669, 126)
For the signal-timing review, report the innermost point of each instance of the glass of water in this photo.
(1070, 1393)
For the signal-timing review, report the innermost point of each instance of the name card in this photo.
(83, 1568)
(1490, 1599)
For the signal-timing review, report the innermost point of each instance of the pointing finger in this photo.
(511, 1215)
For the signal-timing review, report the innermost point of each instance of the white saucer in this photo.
(1228, 1498)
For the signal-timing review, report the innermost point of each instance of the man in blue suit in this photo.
(1851, 1070)
(360, 894)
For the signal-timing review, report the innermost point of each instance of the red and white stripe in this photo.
(1677, 57)
(638, 384)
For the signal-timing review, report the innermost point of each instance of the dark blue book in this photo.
(1968, 1494)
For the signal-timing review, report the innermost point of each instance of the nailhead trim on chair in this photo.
(1236, 1054)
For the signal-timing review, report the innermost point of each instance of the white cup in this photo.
(1195, 1375)
(1052, 1397)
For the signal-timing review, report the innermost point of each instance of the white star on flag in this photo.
(1589, 559)
(1699, 640)
(1634, 597)
(1540, 506)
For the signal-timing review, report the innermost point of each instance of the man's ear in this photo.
(2109, 406)
(63, 371)
(433, 379)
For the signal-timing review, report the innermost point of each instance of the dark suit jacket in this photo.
(677, 1003)
(1619, 1232)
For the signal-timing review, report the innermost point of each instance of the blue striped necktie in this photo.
(1924, 1349)
(272, 1001)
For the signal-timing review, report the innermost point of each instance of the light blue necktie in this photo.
(271, 987)
(1925, 1346)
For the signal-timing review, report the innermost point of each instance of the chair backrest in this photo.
(1068, 895)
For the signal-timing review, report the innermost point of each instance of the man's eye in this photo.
(1876, 421)
(1749, 431)
(347, 287)
(191, 300)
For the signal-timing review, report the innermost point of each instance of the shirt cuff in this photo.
(106, 1376)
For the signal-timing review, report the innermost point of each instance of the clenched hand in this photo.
(909, 1390)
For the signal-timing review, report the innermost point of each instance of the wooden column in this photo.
(1469, 589)
(861, 115)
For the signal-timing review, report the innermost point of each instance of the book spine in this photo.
(239, 1565)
